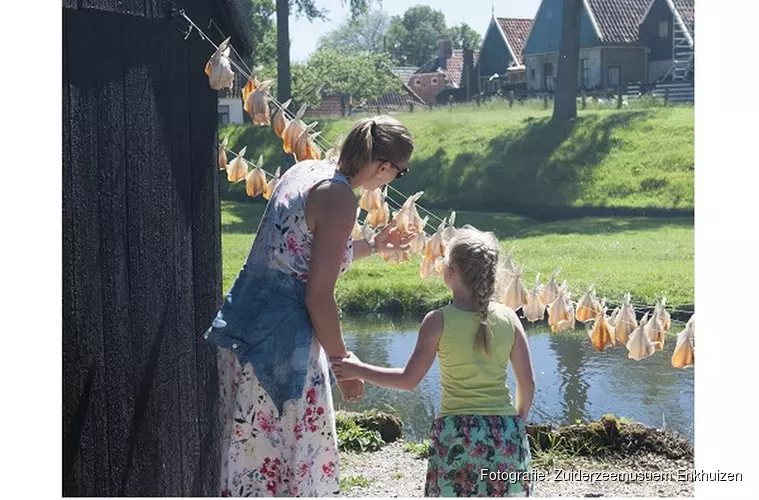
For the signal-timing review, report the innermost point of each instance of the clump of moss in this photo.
(609, 435)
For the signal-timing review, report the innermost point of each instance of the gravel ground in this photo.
(392, 472)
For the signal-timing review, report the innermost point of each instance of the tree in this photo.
(355, 77)
(364, 33)
(412, 38)
(309, 9)
(464, 37)
(262, 31)
(565, 101)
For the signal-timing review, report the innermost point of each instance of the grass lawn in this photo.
(647, 257)
(517, 160)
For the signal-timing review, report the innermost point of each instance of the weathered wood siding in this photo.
(141, 253)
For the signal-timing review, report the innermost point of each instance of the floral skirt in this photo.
(475, 455)
(265, 454)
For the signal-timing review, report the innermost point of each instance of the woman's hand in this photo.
(346, 368)
(391, 239)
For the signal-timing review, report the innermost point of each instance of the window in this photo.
(584, 73)
(223, 114)
(532, 73)
(663, 29)
(434, 80)
(548, 78)
(417, 82)
(614, 76)
(549, 13)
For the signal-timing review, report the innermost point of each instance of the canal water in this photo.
(573, 381)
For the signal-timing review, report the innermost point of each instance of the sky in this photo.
(476, 13)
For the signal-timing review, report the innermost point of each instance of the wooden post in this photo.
(666, 96)
(584, 97)
(545, 101)
(511, 98)
(619, 97)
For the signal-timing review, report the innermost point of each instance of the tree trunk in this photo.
(565, 99)
(283, 50)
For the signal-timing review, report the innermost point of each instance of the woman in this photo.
(279, 322)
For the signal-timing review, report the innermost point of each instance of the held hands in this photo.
(351, 388)
(391, 239)
(346, 368)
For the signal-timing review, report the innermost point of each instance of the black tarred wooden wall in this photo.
(141, 252)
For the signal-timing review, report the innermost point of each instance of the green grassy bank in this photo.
(496, 158)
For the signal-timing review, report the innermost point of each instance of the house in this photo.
(334, 105)
(141, 247)
(230, 105)
(500, 63)
(611, 51)
(449, 75)
(667, 29)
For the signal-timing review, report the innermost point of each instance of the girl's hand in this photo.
(346, 368)
(390, 239)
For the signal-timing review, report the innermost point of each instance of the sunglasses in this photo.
(400, 173)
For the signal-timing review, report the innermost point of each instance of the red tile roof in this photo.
(453, 67)
(618, 19)
(516, 31)
(687, 11)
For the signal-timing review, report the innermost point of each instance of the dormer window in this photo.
(434, 80)
(417, 82)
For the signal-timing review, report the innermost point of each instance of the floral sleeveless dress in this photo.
(265, 453)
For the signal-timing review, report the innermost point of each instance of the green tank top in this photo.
(474, 382)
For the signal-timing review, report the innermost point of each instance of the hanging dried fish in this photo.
(515, 296)
(639, 346)
(420, 240)
(292, 130)
(407, 219)
(434, 254)
(356, 233)
(255, 182)
(625, 321)
(279, 120)
(449, 232)
(223, 154)
(219, 68)
(381, 216)
(588, 307)
(269, 191)
(305, 148)
(248, 89)
(257, 104)
(613, 317)
(508, 267)
(566, 324)
(685, 349)
(333, 154)
(560, 313)
(371, 200)
(550, 291)
(602, 334)
(654, 330)
(535, 309)
(238, 168)
(664, 317)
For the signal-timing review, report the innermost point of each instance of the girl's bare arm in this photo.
(522, 366)
(416, 368)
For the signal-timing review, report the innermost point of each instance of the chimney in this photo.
(445, 47)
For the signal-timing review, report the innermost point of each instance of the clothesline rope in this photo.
(325, 145)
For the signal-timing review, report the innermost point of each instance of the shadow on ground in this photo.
(532, 166)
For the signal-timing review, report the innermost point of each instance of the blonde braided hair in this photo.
(474, 254)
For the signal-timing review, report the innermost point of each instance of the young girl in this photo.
(479, 437)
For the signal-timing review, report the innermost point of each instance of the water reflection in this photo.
(573, 381)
